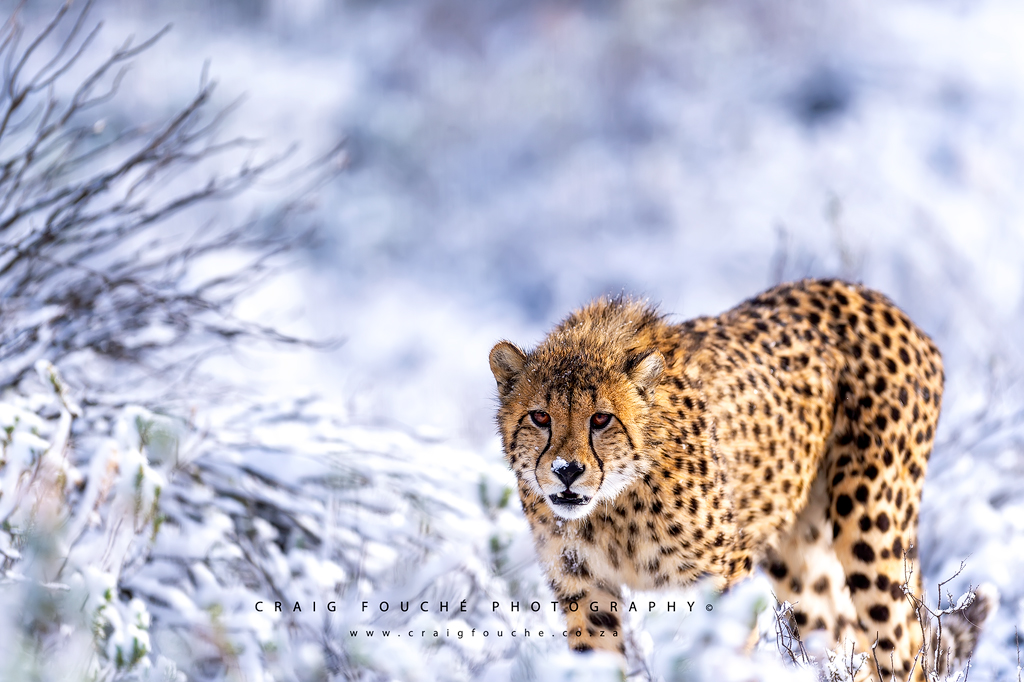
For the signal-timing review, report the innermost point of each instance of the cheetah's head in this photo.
(573, 418)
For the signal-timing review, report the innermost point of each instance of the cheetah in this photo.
(791, 433)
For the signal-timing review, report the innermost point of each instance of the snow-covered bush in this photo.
(153, 540)
(67, 537)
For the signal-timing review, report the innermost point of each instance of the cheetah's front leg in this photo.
(592, 617)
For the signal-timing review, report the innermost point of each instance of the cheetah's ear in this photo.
(507, 362)
(645, 370)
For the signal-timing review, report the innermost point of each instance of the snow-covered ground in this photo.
(508, 161)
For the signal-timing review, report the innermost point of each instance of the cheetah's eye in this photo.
(600, 420)
(541, 418)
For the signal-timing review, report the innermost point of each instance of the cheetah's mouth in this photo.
(569, 498)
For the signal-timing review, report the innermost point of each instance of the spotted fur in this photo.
(791, 432)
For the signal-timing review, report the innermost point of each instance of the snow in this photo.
(506, 162)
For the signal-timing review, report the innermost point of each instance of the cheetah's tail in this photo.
(948, 649)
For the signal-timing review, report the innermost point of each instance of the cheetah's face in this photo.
(574, 438)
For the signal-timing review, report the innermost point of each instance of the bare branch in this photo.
(40, 80)
(92, 230)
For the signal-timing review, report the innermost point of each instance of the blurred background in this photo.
(505, 161)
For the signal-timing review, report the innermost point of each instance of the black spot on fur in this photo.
(864, 552)
(879, 612)
(882, 522)
(858, 581)
(603, 620)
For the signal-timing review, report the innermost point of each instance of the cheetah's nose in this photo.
(567, 472)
